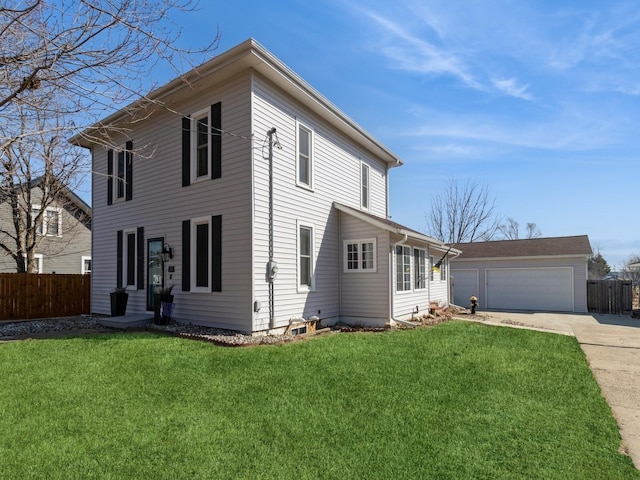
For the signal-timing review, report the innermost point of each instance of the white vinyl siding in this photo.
(335, 177)
(161, 204)
(365, 298)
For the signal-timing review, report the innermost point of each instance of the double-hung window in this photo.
(403, 268)
(305, 156)
(202, 257)
(305, 258)
(420, 269)
(50, 222)
(201, 154)
(360, 255)
(120, 174)
(201, 246)
(130, 258)
(364, 186)
(443, 270)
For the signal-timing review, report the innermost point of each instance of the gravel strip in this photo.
(85, 323)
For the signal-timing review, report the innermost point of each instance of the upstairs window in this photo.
(120, 174)
(202, 145)
(50, 223)
(359, 255)
(364, 186)
(403, 268)
(201, 155)
(305, 156)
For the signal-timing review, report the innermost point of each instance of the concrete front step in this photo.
(126, 322)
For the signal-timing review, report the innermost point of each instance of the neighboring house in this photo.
(64, 235)
(193, 179)
(540, 274)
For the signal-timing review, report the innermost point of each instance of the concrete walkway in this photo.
(611, 344)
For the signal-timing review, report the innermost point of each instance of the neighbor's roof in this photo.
(393, 227)
(532, 247)
(249, 55)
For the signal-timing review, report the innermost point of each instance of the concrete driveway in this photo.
(611, 344)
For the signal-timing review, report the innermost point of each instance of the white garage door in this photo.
(465, 284)
(538, 289)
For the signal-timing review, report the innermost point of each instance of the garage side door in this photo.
(537, 289)
(465, 284)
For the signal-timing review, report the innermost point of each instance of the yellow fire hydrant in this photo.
(474, 304)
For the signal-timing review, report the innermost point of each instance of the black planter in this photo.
(159, 315)
(119, 303)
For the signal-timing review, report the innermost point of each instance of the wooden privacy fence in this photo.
(609, 296)
(34, 295)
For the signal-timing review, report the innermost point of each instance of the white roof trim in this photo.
(399, 230)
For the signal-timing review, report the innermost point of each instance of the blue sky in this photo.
(538, 100)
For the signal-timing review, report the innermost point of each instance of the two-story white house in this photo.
(273, 203)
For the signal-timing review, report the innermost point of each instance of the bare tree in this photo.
(463, 213)
(533, 231)
(63, 65)
(511, 230)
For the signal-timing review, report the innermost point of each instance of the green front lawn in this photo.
(455, 401)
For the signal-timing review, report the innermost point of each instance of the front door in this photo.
(155, 270)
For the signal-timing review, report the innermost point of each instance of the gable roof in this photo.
(249, 55)
(393, 227)
(531, 247)
(75, 206)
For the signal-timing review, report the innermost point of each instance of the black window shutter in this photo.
(216, 140)
(129, 172)
(186, 255)
(216, 253)
(140, 258)
(109, 177)
(119, 260)
(186, 151)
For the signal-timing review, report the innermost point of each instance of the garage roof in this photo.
(531, 247)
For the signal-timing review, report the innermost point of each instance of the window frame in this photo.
(419, 268)
(305, 288)
(431, 265)
(195, 122)
(83, 259)
(406, 276)
(43, 227)
(195, 222)
(39, 258)
(365, 190)
(310, 163)
(443, 270)
(359, 261)
(126, 257)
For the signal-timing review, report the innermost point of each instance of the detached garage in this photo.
(540, 274)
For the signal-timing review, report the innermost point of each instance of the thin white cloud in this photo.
(412, 53)
(509, 86)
